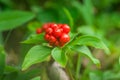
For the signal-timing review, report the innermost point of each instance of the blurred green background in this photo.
(20, 18)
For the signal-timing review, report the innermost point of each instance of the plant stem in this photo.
(78, 67)
(7, 37)
(69, 73)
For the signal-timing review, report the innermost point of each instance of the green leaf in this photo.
(48, 15)
(10, 69)
(86, 10)
(87, 30)
(91, 41)
(84, 50)
(96, 75)
(35, 55)
(72, 37)
(111, 75)
(119, 59)
(69, 17)
(13, 19)
(1, 38)
(2, 60)
(32, 26)
(7, 3)
(34, 39)
(59, 56)
(36, 78)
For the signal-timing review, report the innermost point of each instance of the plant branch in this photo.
(78, 67)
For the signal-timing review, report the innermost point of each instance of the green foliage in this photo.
(85, 51)
(69, 17)
(93, 76)
(36, 78)
(59, 56)
(91, 41)
(86, 10)
(34, 39)
(49, 15)
(107, 75)
(108, 20)
(94, 24)
(2, 60)
(119, 60)
(35, 55)
(87, 30)
(13, 19)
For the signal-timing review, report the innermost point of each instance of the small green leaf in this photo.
(119, 59)
(13, 19)
(84, 50)
(2, 60)
(10, 69)
(1, 38)
(110, 75)
(32, 26)
(91, 41)
(72, 37)
(96, 76)
(87, 30)
(88, 12)
(35, 55)
(48, 15)
(86, 9)
(59, 56)
(34, 39)
(69, 17)
(36, 78)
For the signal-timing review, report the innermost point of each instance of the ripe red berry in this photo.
(64, 38)
(52, 39)
(45, 26)
(66, 28)
(59, 25)
(49, 30)
(47, 37)
(51, 43)
(61, 29)
(38, 30)
(56, 43)
(54, 26)
(57, 32)
(61, 44)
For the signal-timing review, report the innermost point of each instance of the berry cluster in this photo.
(55, 34)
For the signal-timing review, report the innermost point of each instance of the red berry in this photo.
(66, 28)
(57, 32)
(45, 26)
(38, 30)
(49, 30)
(52, 39)
(61, 29)
(47, 37)
(51, 24)
(54, 26)
(59, 25)
(61, 44)
(56, 43)
(51, 43)
(64, 38)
